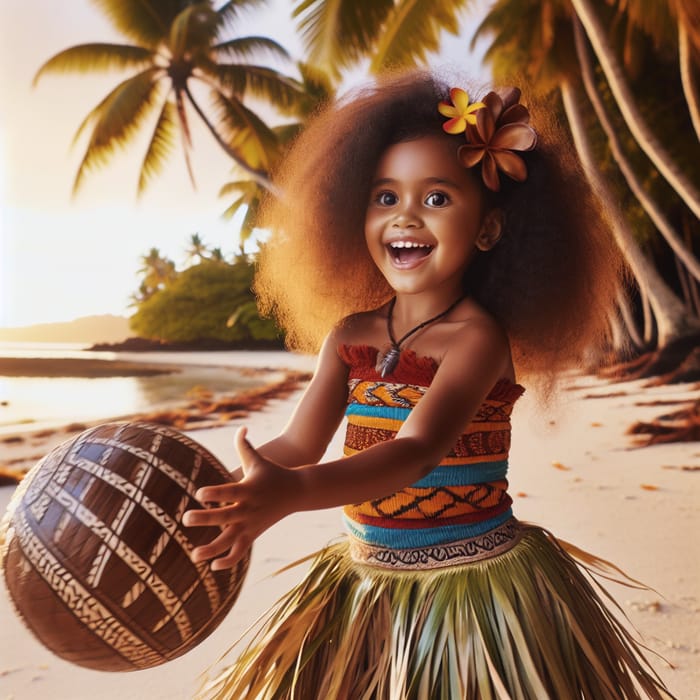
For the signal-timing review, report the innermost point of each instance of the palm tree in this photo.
(196, 249)
(672, 321)
(177, 47)
(551, 63)
(217, 255)
(651, 207)
(157, 271)
(688, 55)
(625, 100)
(337, 34)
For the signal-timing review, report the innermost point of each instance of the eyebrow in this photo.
(427, 181)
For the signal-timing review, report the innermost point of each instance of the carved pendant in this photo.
(387, 361)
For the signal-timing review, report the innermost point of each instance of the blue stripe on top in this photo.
(406, 539)
(463, 474)
(392, 412)
(454, 474)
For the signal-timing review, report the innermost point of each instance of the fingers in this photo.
(221, 493)
(238, 550)
(218, 517)
(231, 540)
(217, 546)
(246, 451)
(231, 514)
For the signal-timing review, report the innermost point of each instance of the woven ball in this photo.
(96, 558)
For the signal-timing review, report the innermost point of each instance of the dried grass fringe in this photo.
(525, 625)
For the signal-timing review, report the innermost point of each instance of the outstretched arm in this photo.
(316, 417)
(476, 359)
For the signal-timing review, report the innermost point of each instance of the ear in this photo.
(491, 230)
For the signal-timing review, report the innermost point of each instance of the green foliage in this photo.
(337, 34)
(210, 300)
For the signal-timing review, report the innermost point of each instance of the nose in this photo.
(407, 217)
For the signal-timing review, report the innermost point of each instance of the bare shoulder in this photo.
(475, 336)
(365, 328)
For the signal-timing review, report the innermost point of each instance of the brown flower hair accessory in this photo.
(501, 127)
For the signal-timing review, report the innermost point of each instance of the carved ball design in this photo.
(95, 555)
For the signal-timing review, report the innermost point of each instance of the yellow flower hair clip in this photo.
(494, 130)
(460, 111)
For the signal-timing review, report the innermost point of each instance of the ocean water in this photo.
(29, 403)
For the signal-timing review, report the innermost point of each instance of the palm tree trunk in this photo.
(628, 320)
(625, 100)
(652, 209)
(672, 321)
(256, 175)
(686, 64)
(648, 326)
(186, 137)
(683, 278)
(694, 287)
(618, 333)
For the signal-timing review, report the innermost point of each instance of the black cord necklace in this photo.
(387, 361)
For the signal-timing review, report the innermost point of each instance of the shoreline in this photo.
(25, 444)
(82, 368)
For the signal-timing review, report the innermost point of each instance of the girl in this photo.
(439, 246)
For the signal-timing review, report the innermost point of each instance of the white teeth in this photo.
(408, 244)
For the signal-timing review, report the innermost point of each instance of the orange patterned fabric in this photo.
(434, 502)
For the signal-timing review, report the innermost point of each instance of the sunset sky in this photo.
(63, 257)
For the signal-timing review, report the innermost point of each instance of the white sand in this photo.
(597, 502)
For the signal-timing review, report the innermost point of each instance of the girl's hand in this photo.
(245, 509)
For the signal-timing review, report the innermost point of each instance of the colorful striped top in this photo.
(465, 495)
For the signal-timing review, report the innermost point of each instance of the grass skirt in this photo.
(527, 624)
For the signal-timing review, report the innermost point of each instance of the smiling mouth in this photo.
(407, 252)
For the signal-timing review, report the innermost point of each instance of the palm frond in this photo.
(283, 92)
(248, 46)
(504, 18)
(337, 33)
(117, 118)
(250, 220)
(88, 58)
(653, 18)
(160, 145)
(251, 196)
(246, 133)
(316, 80)
(319, 88)
(145, 21)
(286, 133)
(230, 12)
(413, 30)
(246, 187)
(193, 31)
(234, 207)
(248, 191)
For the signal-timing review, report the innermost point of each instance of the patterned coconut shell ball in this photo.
(96, 558)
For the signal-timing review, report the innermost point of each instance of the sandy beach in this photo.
(573, 469)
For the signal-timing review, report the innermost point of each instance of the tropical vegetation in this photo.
(209, 299)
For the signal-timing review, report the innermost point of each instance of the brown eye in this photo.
(437, 199)
(386, 199)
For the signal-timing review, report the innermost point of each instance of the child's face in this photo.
(424, 216)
